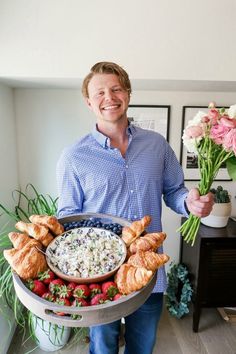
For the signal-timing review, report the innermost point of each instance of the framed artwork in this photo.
(151, 117)
(188, 159)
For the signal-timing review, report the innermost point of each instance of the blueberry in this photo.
(90, 223)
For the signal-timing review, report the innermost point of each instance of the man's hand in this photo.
(199, 205)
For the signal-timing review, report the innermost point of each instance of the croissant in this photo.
(129, 278)
(50, 222)
(19, 240)
(148, 242)
(149, 260)
(27, 262)
(132, 232)
(39, 232)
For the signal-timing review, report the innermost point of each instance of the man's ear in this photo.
(87, 101)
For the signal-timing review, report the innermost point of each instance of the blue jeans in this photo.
(140, 330)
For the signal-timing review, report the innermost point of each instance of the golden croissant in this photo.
(148, 259)
(28, 261)
(18, 239)
(39, 232)
(129, 278)
(132, 232)
(50, 222)
(148, 242)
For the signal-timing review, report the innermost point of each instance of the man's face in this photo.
(107, 98)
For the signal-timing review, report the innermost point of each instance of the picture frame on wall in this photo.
(188, 159)
(151, 117)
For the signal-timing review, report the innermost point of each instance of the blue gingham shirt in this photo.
(93, 176)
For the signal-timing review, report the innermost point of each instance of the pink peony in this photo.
(218, 132)
(194, 131)
(205, 119)
(213, 114)
(228, 122)
(229, 142)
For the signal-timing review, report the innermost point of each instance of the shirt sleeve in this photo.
(174, 190)
(70, 200)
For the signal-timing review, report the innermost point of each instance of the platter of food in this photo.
(108, 278)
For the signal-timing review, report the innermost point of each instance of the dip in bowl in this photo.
(86, 254)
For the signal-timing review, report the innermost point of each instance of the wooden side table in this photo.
(212, 266)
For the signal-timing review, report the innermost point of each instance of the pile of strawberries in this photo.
(54, 289)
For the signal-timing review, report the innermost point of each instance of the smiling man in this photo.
(125, 171)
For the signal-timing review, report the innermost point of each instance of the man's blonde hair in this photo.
(105, 67)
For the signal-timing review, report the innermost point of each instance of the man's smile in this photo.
(111, 107)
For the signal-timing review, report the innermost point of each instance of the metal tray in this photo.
(90, 315)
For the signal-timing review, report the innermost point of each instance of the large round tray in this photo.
(88, 316)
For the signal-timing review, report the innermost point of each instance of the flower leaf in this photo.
(231, 167)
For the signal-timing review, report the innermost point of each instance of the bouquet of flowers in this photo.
(212, 137)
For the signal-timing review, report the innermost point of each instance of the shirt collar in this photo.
(104, 141)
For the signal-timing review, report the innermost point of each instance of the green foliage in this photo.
(220, 195)
(231, 167)
(26, 203)
(179, 291)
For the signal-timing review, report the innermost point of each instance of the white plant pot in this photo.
(219, 215)
(50, 336)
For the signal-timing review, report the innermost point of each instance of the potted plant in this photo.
(48, 336)
(221, 210)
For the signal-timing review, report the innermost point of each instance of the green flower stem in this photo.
(210, 159)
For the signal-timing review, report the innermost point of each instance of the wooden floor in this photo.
(215, 336)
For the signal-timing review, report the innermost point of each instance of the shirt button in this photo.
(135, 216)
(131, 191)
(126, 166)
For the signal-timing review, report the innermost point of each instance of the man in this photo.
(123, 170)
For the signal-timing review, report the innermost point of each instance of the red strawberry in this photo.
(99, 299)
(81, 290)
(109, 288)
(64, 292)
(56, 285)
(95, 289)
(79, 302)
(49, 297)
(46, 276)
(71, 286)
(117, 296)
(63, 302)
(37, 286)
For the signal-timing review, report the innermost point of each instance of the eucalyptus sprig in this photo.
(179, 291)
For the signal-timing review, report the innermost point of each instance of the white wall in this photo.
(48, 120)
(8, 158)
(152, 39)
(8, 182)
